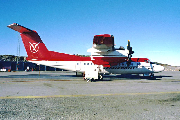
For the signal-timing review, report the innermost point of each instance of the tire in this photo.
(152, 75)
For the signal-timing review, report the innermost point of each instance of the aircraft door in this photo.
(78, 66)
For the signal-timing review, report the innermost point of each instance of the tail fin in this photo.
(35, 48)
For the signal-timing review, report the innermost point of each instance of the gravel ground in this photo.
(100, 107)
(63, 96)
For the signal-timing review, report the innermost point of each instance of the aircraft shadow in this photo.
(47, 76)
(133, 77)
(106, 77)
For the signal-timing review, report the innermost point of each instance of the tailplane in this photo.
(35, 48)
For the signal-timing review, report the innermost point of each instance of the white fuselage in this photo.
(145, 67)
(121, 68)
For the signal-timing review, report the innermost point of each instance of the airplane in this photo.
(104, 58)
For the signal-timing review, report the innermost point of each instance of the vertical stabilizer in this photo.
(35, 48)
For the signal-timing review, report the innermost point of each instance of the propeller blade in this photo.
(130, 53)
(129, 48)
(128, 45)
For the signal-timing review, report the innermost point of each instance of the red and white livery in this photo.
(105, 58)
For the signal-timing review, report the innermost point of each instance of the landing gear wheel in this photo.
(92, 80)
(152, 75)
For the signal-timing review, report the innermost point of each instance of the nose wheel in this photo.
(152, 75)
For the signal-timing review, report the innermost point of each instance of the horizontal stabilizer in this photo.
(19, 28)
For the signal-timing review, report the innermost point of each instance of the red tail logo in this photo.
(34, 47)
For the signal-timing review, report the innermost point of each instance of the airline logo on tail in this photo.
(34, 47)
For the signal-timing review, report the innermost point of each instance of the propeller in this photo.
(130, 53)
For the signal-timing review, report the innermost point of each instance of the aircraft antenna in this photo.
(18, 53)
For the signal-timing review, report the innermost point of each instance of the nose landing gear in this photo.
(152, 75)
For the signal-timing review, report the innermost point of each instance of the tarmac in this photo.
(62, 95)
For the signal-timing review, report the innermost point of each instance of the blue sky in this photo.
(68, 26)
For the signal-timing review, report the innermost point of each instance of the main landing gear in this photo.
(151, 75)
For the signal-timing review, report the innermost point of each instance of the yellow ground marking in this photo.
(86, 95)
